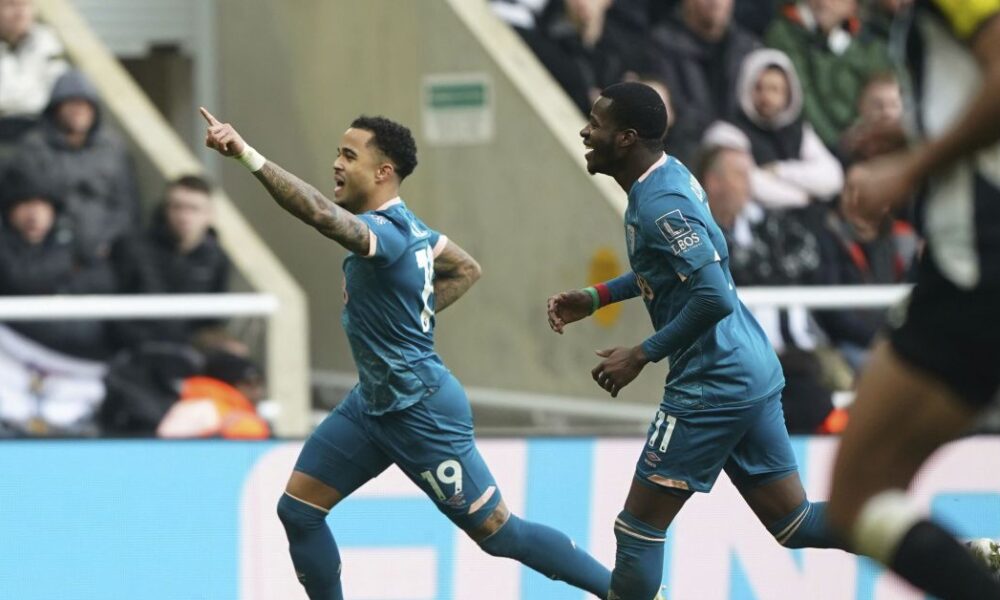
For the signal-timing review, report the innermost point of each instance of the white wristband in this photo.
(251, 159)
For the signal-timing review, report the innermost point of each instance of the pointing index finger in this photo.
(208, 116)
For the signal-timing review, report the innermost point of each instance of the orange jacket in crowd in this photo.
(208, 408)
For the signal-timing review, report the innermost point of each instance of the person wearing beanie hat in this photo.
(28, 205)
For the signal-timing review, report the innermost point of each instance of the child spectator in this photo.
(880, 109)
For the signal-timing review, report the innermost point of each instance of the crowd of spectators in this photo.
(770, 101)
(70, 223)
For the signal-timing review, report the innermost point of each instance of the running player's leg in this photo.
(336, 459)
(762, 467)
(684, 453)
(640, 533)
(433, 443)
(900, 416)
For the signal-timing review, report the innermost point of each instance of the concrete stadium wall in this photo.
(293, 75)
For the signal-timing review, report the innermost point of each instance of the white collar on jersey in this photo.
(390, 203)
(656, 165)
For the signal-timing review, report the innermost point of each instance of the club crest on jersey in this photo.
(380, 220)
(630, 238)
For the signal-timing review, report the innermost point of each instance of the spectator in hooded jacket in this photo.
(833, 63)
(50, 371)
(88, 165)
(178, 254)
(697, 52)
(31, 59)
(793, 167)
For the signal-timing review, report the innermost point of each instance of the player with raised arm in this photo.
(407, 408)
(721, 409)
(941, 365)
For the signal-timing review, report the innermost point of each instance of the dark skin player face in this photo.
(601, 136)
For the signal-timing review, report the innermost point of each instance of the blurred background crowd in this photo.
(71, 224)
(769, 103)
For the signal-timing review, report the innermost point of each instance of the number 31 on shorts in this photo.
(662, 433)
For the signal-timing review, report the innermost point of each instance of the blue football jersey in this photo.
(670, 234)
(389, 310)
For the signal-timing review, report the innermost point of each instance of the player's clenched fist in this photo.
(568, 307)
(222, 137)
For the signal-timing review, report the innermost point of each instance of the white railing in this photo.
(825, 296)
(817, 297)
(153, 306)
(148, 306)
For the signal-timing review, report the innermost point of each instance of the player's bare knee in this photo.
(499, 534)
(492, 524)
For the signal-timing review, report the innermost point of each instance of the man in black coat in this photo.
(50, 371)
(179, 254)
(697, 51)
(39, 258)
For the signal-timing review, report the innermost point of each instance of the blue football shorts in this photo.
(432, 442)
(687, 448)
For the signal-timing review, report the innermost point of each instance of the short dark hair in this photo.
(192, 182)
(637, 106)
(393, 140)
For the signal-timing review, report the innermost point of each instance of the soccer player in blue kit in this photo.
(407, 408)
(721, 408)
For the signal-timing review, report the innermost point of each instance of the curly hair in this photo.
(393, 140)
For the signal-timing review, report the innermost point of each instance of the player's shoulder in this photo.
(400, 218)
(671, 187)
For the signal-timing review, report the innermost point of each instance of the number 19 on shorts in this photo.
(662, 433)
(449, 473)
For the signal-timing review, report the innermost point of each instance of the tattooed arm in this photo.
(312, 207)
(454, 273)
(294, 195)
